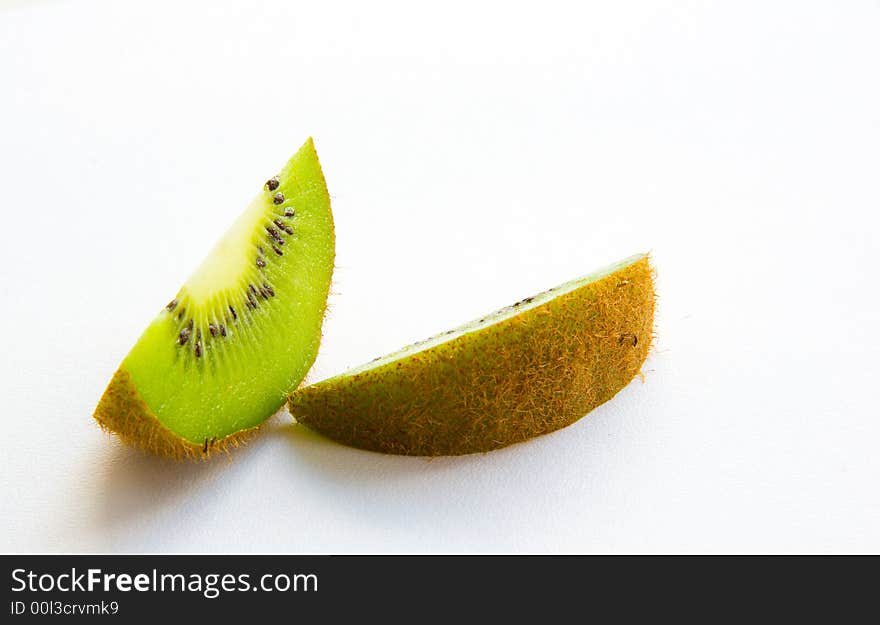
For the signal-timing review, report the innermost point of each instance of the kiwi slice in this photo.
(527, 369)
(242, 332)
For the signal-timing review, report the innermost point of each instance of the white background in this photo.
(475, 154)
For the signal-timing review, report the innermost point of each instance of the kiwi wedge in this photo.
(241, 333)
(525, 370)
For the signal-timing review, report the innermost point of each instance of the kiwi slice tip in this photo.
(240, 334)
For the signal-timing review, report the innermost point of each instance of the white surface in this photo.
(476, 154)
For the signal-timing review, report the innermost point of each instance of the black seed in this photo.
(277, 251)
(274, 234)
(222, 330)
(283, 226)
(253, 289)
(272, 183)
(234, 314)
(289, 212)
(213, 329)
(268, 290)
(261, 262)
(181, 314)
(527, 300)
(190, 325)
(622, 283)
(205, 448)
(251, 301)
(183, 337)
(172, 305)
(278, 198)
(198, 349)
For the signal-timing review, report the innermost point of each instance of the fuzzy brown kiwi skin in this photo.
(527, 375)
(121, 411)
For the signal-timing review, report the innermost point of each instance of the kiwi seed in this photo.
(283, 226)
(274, 234)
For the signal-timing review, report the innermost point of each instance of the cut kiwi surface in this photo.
(241, 333)
(527, 369)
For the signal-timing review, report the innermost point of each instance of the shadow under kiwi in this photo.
(353, 466)
(139, 485)
(424, 501)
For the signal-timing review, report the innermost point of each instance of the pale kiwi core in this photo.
(225, 267)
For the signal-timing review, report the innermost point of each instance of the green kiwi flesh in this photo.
(241, 333)
(525, 370)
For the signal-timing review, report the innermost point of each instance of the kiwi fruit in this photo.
(525, 370)
(240, 334)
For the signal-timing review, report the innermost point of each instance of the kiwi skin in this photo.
(122, 412)
(523, 376)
